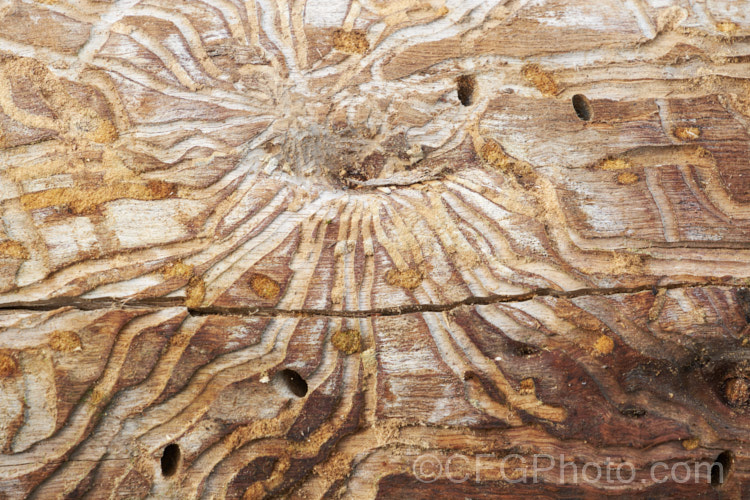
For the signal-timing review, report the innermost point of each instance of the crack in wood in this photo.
(107, 303)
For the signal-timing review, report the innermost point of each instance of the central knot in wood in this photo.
(332, 147)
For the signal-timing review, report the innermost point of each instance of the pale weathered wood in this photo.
(282, 248)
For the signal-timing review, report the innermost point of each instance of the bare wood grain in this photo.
(306, 243)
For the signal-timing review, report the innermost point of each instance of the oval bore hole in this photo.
(465, 86)
(170, 460)
(633, 412)
(582, 106)
(721, 468)
(526, 350)
(294, 382)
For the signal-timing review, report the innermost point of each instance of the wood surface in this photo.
(283, 249)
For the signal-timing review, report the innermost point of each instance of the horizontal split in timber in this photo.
(109, 303)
